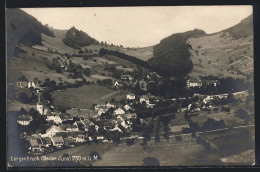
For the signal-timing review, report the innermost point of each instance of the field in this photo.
(222, 56)
(234, 144)
(85, 97)
(169, 153)
(229, 118)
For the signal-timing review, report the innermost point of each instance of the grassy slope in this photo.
(220, 50)
(85, 96)
(57, 44)
(22, 28)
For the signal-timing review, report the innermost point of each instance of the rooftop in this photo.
(57, 139)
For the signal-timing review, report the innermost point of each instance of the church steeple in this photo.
(39, 99)
(39, 105)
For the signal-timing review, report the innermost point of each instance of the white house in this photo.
(193, 83)
(130, 96)
(24, 119)
(119, 111)
(54, 117)
(52, 131)
(127, 107)
(117, 84)
(33, 84)
(80, 138)
(100, 111)
(57, 141)
(109, 105)
(21, 84)
(35, 145)
(71, 127)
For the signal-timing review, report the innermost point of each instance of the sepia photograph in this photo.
(130, 86)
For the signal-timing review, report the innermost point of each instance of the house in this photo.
(100, 111)
(109, 105)
(87, 122)
(57, 141)
(193, 83)
(65, 117)
(116, 128)
(53, 117)
(33, 84)
(71, 127)
(69, 142)
(52, 131)
(130, 96)
(119, 111)
(100, 106)
(127, 107)
(24, 119)
(145, 99)
(125, 120)
(178, 128)
(117, 84)
(80, 138)
(100, 138)
(35, 145)
(80, 125)
(21, 84)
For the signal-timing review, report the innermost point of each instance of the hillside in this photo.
(23, 28)
(76, 38)
(172, 56)
(227, 53)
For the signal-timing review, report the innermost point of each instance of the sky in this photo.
(141, 26)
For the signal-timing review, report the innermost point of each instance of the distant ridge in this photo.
(242, 29)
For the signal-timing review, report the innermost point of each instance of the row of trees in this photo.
(132, 59)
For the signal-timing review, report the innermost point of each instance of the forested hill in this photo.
(242, 29)
(172, 56)
(76, 38)
(23, 28)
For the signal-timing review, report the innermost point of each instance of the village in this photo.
(112, 121)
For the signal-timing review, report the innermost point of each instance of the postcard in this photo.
(130, 86)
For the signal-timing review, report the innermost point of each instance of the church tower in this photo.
(39, 105)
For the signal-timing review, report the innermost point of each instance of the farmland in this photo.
(85, 97)
(221, 55)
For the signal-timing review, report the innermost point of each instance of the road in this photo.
(200, 132)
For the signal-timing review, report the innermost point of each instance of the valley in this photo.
(187, 101)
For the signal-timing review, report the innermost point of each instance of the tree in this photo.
(23, 97)
(87, 72)
(22, 111)
(212, 124)
(151, 161)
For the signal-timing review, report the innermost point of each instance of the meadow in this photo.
(85, 96)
